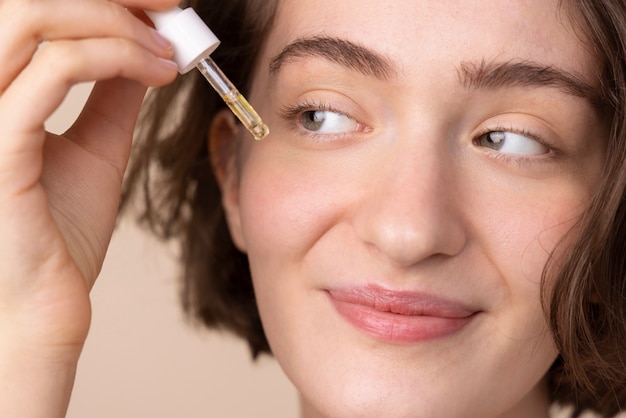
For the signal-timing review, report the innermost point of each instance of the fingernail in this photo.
(161, 40)
(168, 63)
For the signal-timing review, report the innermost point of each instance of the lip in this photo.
(400, 316)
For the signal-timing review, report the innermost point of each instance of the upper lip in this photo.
(402, 302)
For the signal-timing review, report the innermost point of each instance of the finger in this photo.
(156, 5)
(42, 86)
(23, 26)
(106, 125)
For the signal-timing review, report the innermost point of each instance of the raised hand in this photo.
(59, 194)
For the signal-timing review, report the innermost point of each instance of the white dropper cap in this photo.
(192, 39)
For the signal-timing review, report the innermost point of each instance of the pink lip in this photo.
(400, 317)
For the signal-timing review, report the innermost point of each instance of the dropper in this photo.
(193, 44)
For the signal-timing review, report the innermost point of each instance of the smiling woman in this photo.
(422, 198)
(434, 227)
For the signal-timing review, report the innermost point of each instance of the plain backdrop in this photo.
(142, 358)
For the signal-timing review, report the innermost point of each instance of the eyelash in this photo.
(293, 111)
(292, 114)
(522, 160)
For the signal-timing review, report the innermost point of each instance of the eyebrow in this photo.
(340, 51)
(474, 76)
(496, 75)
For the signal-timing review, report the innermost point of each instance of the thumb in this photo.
(106, 124)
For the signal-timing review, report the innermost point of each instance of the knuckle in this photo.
(13, 6)
(113, 12)
(118, 18)
(124, 49)
(23, 19)
(16, 11)
(60, 59)
(24, 11)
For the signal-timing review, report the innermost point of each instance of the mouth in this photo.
(399, 316)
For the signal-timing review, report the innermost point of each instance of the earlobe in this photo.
(222, 141)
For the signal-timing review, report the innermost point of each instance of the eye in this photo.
(328, 122)
(511, 143)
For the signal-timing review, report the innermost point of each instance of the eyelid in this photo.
(289, 112)
(524, 131)
(292, 113)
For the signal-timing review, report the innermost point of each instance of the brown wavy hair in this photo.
(171, 170)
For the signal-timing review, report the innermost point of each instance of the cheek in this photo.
(539, 231)
(287, 205)
(523, 232)
(518, 222)
(277, 216)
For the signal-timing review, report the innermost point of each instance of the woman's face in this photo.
(424, 160)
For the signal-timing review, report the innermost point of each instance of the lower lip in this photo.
(398, 328)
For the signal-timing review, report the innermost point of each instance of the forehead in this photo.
(416, 34)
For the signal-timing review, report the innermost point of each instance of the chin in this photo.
(384, 404)
(360, 393)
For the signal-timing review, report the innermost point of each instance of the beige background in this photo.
(142, 359)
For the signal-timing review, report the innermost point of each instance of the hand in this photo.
(59, 194)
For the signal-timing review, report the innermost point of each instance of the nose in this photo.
(412, 209)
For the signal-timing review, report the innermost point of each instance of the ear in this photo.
(222, 139)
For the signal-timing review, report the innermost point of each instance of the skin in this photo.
(407, 198)
(60, 193)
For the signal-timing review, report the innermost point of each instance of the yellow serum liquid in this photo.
(246, 114)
